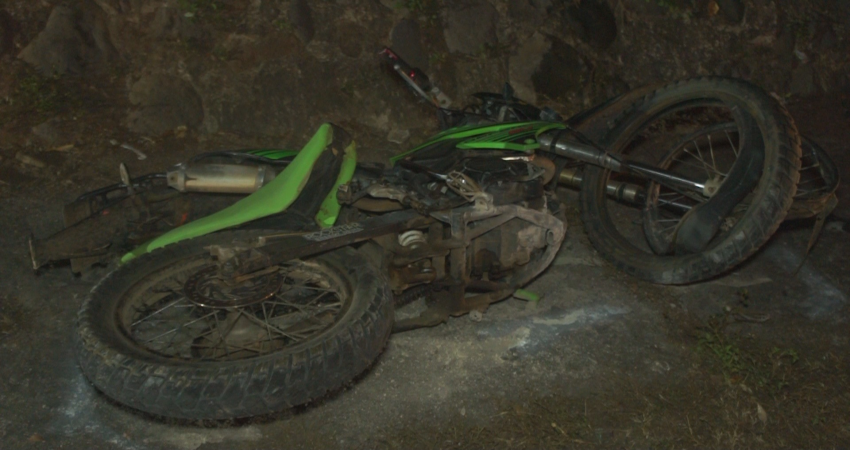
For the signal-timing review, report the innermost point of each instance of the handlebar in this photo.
(417, 79)
(492, 107)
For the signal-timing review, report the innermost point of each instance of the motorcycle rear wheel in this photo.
(649, 131)
(163, 335)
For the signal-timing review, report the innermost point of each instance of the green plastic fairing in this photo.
(273, 153)
(271, 199)
(329, 210)
(518, 136)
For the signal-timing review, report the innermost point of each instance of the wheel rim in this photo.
(707, 156)
(667, 140)
(166, 314)
(817, 179)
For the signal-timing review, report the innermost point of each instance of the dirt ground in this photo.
(757, 358)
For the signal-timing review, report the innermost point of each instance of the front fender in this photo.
(272, 198)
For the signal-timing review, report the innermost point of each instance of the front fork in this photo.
(701, 222)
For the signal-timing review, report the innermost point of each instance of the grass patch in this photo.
(192, 8)
(38, 93)
(756, 369)
(39, 96)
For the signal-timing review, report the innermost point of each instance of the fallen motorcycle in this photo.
(258, 280)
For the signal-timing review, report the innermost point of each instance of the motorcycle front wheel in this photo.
(163, 334)
(666, 128)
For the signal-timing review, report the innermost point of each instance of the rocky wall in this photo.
(277, 69)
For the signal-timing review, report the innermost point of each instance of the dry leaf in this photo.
(63, 148)
(713, 8)
(761, 413)
(27, 159)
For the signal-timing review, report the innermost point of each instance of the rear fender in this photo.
(272, 198)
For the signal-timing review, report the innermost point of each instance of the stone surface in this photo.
(803, 80)
(348, 46)
(470, 27)
(530, 12)
(593, 22)
(164, 103)
(524, 62)
(8, 29)
(560, 72)
(825, 38)
(47, 132)
(301, 19)
(72, 40)
(407, 42)
(732, 10)
(398, 136)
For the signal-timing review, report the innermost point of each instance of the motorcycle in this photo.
(258, 280)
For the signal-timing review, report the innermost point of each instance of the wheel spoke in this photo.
(729, 138)
(181, 326)
(711, 150)
(164, 319)
(270, 327)
(157, 311)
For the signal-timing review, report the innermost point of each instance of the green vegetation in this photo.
(756, 369)
(282, 24)
(435, 59)
(427, 11)
(40, 94)
(195, 8)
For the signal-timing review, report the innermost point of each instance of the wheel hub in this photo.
(711, 186)
(208, 289)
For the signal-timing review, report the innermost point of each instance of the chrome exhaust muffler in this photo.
(219, 178)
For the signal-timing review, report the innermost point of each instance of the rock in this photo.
(803, 80)
(397, 136)
(407, 43)
(825, 38)
(72, 41)
(29, 160)
(607, 87)
(9, 27)
(348, 46)
(470, 26)
(732, 10)
(301, 18)
(783, 57)
(593, 21)
(165, 103)
(531, 12)
(560, 71)
(648, 7)
(524, 62)
(288, 95)
(47, 132)
(394, 4)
